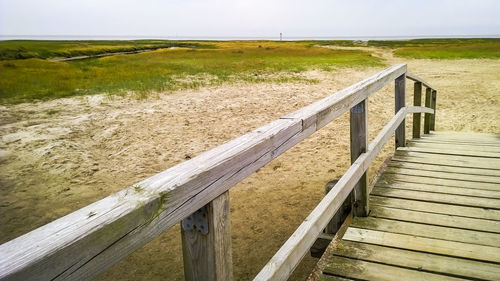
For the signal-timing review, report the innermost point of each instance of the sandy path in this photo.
(58, 156)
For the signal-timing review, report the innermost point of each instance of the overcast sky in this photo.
(249, 17)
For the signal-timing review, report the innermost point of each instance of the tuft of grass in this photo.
(171, 69)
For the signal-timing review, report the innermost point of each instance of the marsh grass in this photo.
(25, 49)
(171, 69)
(443, 48)
(488, 48)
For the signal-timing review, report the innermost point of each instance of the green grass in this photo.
(24, 49)
(443, 48)
(433, 48)
(170, 69)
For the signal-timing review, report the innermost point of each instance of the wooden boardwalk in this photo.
(434, 215)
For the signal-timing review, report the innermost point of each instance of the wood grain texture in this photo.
(429, 231)
(449, 160)
(417, 101)
(359, 140)
(495, 156)
(417, 186)
(438, 197)
(289, 255)
(416, 78)
(427, 117)
(419, 261)
(400, 102)
(86, 242)
(436, 208)
(433, 116)
(420, 164)
(453, 146)
(427, 139)
(209, 257)
(435, 219)
(424, 244)
(413, 171)
(437, 182)
(364, 270)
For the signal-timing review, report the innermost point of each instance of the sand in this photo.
(61, 155)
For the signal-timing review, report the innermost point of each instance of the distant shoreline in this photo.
(231, 38)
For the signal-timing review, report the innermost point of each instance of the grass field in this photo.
(28, 73)
(431, 48)
(25, 49)
(170, 69)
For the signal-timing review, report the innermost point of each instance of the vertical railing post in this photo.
(433, 106)
(359, 139)
(206, 242)
(427, 116)
(417, 101)
(399, 101)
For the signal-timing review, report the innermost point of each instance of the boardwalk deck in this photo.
(435, 215)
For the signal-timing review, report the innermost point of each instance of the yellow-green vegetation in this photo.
(444, 48)
(24, 49)
(433, 48)
(170, 69)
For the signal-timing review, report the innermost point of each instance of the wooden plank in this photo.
(424, 139)
(437, 182)
(436, 208)
(363, 270)
(423, 244)
(417, 101)
(438, 197)
(465, 135)
(474, 154)
(400, 102)
(452, 161)
(428, 231)
(113, 227)
(359, 141)
(443, 175)
(452, 146)
(442, 189)
(416, 78)
(435, 219)
(208, 256)
(433, 106)
(485, 141)
(430, 165)
(427, 117)
(289, 255)
(324, 277)
(431, 263)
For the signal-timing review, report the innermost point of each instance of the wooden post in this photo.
(333, 226)
(206, 242)
(359, 140)
(433, 116)
(417, 101)
(427, 116)
(399, 101)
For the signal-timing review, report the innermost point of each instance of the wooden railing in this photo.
(84, 243)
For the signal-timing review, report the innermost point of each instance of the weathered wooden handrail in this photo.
(86, 242)
(282, 264)
(291, 253)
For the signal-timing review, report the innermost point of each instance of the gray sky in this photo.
(249, 17)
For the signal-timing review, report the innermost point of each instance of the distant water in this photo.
(228, 38)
